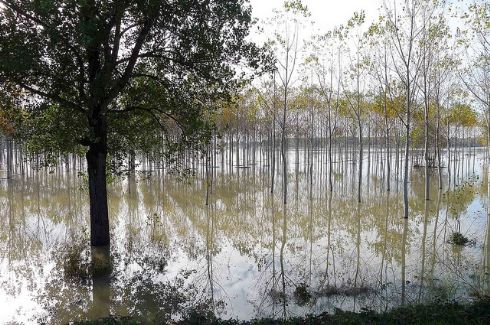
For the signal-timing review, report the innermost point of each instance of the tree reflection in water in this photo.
(246, 254)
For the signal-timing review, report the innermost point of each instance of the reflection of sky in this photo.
(18, 295)
(20, 306)
(239, 235)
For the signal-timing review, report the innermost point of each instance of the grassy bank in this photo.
(436, 313)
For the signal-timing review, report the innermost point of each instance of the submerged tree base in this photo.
(81, 262)
(435, 313)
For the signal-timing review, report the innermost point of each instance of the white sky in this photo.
(327, 14)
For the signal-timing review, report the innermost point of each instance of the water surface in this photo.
(246, 254)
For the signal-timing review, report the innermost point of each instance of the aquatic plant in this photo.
(302, 294)
(458, 239)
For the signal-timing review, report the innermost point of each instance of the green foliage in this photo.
(52, 128)
(458, 239)
(477, 16)
(357, 19)
(463, 115)
(297, 7)
(139, 67)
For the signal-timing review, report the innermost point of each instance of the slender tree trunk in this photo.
(426, 150)
(273, 151)
(330, 163)
(359, 183)
(407, 147)
(9, 157)
(208, 180)
(405, 166)
(438, 146)
(283, 151)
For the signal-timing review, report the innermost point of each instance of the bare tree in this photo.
(404, 32)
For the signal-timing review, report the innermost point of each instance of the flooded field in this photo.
(246, 254)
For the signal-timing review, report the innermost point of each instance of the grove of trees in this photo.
(170, 82)
(113, 77)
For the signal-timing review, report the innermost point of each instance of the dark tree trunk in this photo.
(96, 166)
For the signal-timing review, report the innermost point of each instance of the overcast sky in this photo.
(326, 13)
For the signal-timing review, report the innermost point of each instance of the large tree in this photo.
(89, 65)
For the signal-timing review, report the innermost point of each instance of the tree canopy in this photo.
(140, 64)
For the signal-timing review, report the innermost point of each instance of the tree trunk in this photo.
(438, 146)
(96, 166)
(405, 172)
(10, 152)
(273, 167)
(359, 182)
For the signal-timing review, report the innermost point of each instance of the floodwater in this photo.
(245, 255)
